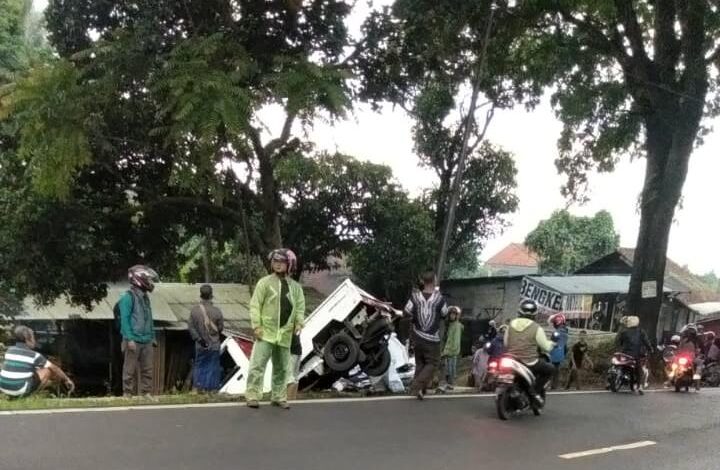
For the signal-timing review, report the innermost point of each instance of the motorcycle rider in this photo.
(691, 344)
(522, 340)
(668, 353)
(634, 342)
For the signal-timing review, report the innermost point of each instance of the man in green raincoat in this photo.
(277, 310)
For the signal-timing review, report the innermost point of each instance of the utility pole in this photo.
(457, 182)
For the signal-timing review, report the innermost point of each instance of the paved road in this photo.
(452, 433)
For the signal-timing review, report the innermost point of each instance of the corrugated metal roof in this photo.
(171, 302)
(706, 308)
(587, 284)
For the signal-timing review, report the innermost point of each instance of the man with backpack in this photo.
(136, 328)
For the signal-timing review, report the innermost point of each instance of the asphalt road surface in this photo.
(658, 431)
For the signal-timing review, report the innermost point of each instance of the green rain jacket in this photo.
(265, 310)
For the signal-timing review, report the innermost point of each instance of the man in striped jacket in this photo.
(427, 308)
(26, 371)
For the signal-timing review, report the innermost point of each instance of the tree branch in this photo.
(667, 45)
(275, 144)
(692, 22)
(629, 20)
(256, 142)
(488, 117)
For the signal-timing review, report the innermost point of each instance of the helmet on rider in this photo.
(528, 309)
(630, 321)
(689, 331)
(558, 320)
(284, 255)
(675, 339)
(143, 277)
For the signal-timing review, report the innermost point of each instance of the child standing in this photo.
(451, 351)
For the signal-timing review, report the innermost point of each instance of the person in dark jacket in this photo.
(427, 308)
(634, 342)
(206, 327)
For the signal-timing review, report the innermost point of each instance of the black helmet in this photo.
(143, 277)
(528, 309)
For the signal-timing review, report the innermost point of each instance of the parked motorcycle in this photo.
(515, 384)
(365, 345)
(622, 371)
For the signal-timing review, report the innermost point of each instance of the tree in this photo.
(424, 56)
(397, 248)
(565, 243)
(630, 77)
(326, 197)
(120, 138)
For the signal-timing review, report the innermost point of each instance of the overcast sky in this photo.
(385, 137)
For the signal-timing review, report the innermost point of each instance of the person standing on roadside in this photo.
(558, 353)
(206, 326)
(427, 308)
(451, 350)
(578, 358)
(136, 327)
(277, 311)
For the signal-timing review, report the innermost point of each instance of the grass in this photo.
(48, 402)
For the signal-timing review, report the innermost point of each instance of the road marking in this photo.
(607, 450)
(231, 404)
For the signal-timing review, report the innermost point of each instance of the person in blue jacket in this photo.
(558, 353)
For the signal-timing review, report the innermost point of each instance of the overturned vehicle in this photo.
(350, 330)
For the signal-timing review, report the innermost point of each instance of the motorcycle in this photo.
(622, 371)
(515, 383)
(682, 372)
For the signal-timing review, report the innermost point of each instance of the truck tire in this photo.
(341, 352)
(377, 363)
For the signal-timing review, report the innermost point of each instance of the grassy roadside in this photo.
(46, 402)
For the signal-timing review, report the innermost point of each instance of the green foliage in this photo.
(52, 111)
(566, 243)
(22, 41)
(399, 245)
(327, 197)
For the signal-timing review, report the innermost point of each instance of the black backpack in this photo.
(116, 313)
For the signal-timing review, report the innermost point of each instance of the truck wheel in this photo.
(377, 363)
(341, 352)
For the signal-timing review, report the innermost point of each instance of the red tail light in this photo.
(683, 361)
(506, 363)
(493, 365)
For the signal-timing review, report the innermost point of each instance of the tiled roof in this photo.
(515, 254)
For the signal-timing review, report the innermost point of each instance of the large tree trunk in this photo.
(668, 154)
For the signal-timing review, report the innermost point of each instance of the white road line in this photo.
(607, 450)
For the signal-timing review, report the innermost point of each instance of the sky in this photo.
(385, 137)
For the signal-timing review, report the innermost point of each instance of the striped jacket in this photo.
(18, 371)
(427, 314)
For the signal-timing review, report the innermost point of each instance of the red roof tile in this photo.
(515, 254)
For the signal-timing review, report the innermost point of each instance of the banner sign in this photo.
(547, 299)
(551, 301)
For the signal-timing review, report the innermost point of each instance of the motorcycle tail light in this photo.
(506, 363)
(683, 361)
(493, 365)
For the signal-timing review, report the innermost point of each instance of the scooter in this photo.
(515, 385)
